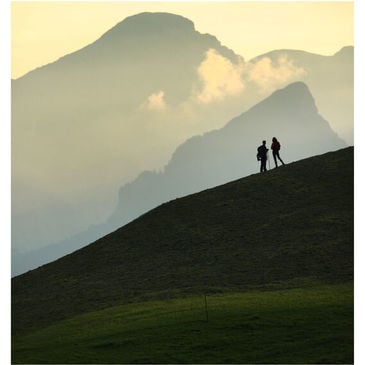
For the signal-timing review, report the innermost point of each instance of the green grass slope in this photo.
(304, 325)
(289, 226)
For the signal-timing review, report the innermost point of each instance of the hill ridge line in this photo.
(281, 228)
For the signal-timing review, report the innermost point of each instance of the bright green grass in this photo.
(310, 325)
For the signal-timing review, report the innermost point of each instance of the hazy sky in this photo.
(44, 31)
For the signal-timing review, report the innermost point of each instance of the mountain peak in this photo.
(346, 49)
(295, 98)
(345, 53)
(148, 23)
(295, 91)
(300, 86)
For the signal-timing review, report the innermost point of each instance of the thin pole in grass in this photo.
(206, 308)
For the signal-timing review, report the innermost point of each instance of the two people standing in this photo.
(262, 154)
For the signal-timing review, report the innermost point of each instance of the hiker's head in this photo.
(263, 142)
(274, 139)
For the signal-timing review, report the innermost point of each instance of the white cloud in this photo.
(156, 101)
(220, 77)
(268, 76)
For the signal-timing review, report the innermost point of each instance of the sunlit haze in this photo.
(42, 32)
(143, 83)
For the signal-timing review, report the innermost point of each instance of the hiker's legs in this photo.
(263, 165)
(274, 153)
(280, 158)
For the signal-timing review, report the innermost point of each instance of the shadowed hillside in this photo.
(95, 119)
(212, 159)
(290, 225)
(229, 153)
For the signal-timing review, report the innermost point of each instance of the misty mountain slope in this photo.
(276, 229)
(229, 153)
(330, 79)
(140, 55)
(98, 117)
(209, 160)
(95, 119)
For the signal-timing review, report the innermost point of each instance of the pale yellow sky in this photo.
(42, 32)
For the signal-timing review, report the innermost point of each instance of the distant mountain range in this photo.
(88, 124)
(230, 153)
(331, 81)
(91, 121)
(289, 226)
(210, 160)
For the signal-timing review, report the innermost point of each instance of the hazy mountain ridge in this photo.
(304, 57)
(82, 125)
(229, 153)
(330, 79)
(94, 120)
(210, 160)
(278, 228)
(134, 46)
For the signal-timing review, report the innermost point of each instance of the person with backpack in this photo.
(275, 146)
(262, 156)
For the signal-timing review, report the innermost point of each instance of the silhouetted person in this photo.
(262, 156)
(275, 146)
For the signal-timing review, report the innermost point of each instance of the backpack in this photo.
(261, 152)
(275, 146)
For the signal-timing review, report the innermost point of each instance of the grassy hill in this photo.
(303, 325)
(290, 227)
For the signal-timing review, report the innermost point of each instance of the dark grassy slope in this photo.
(291, 224)
(292, 326)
